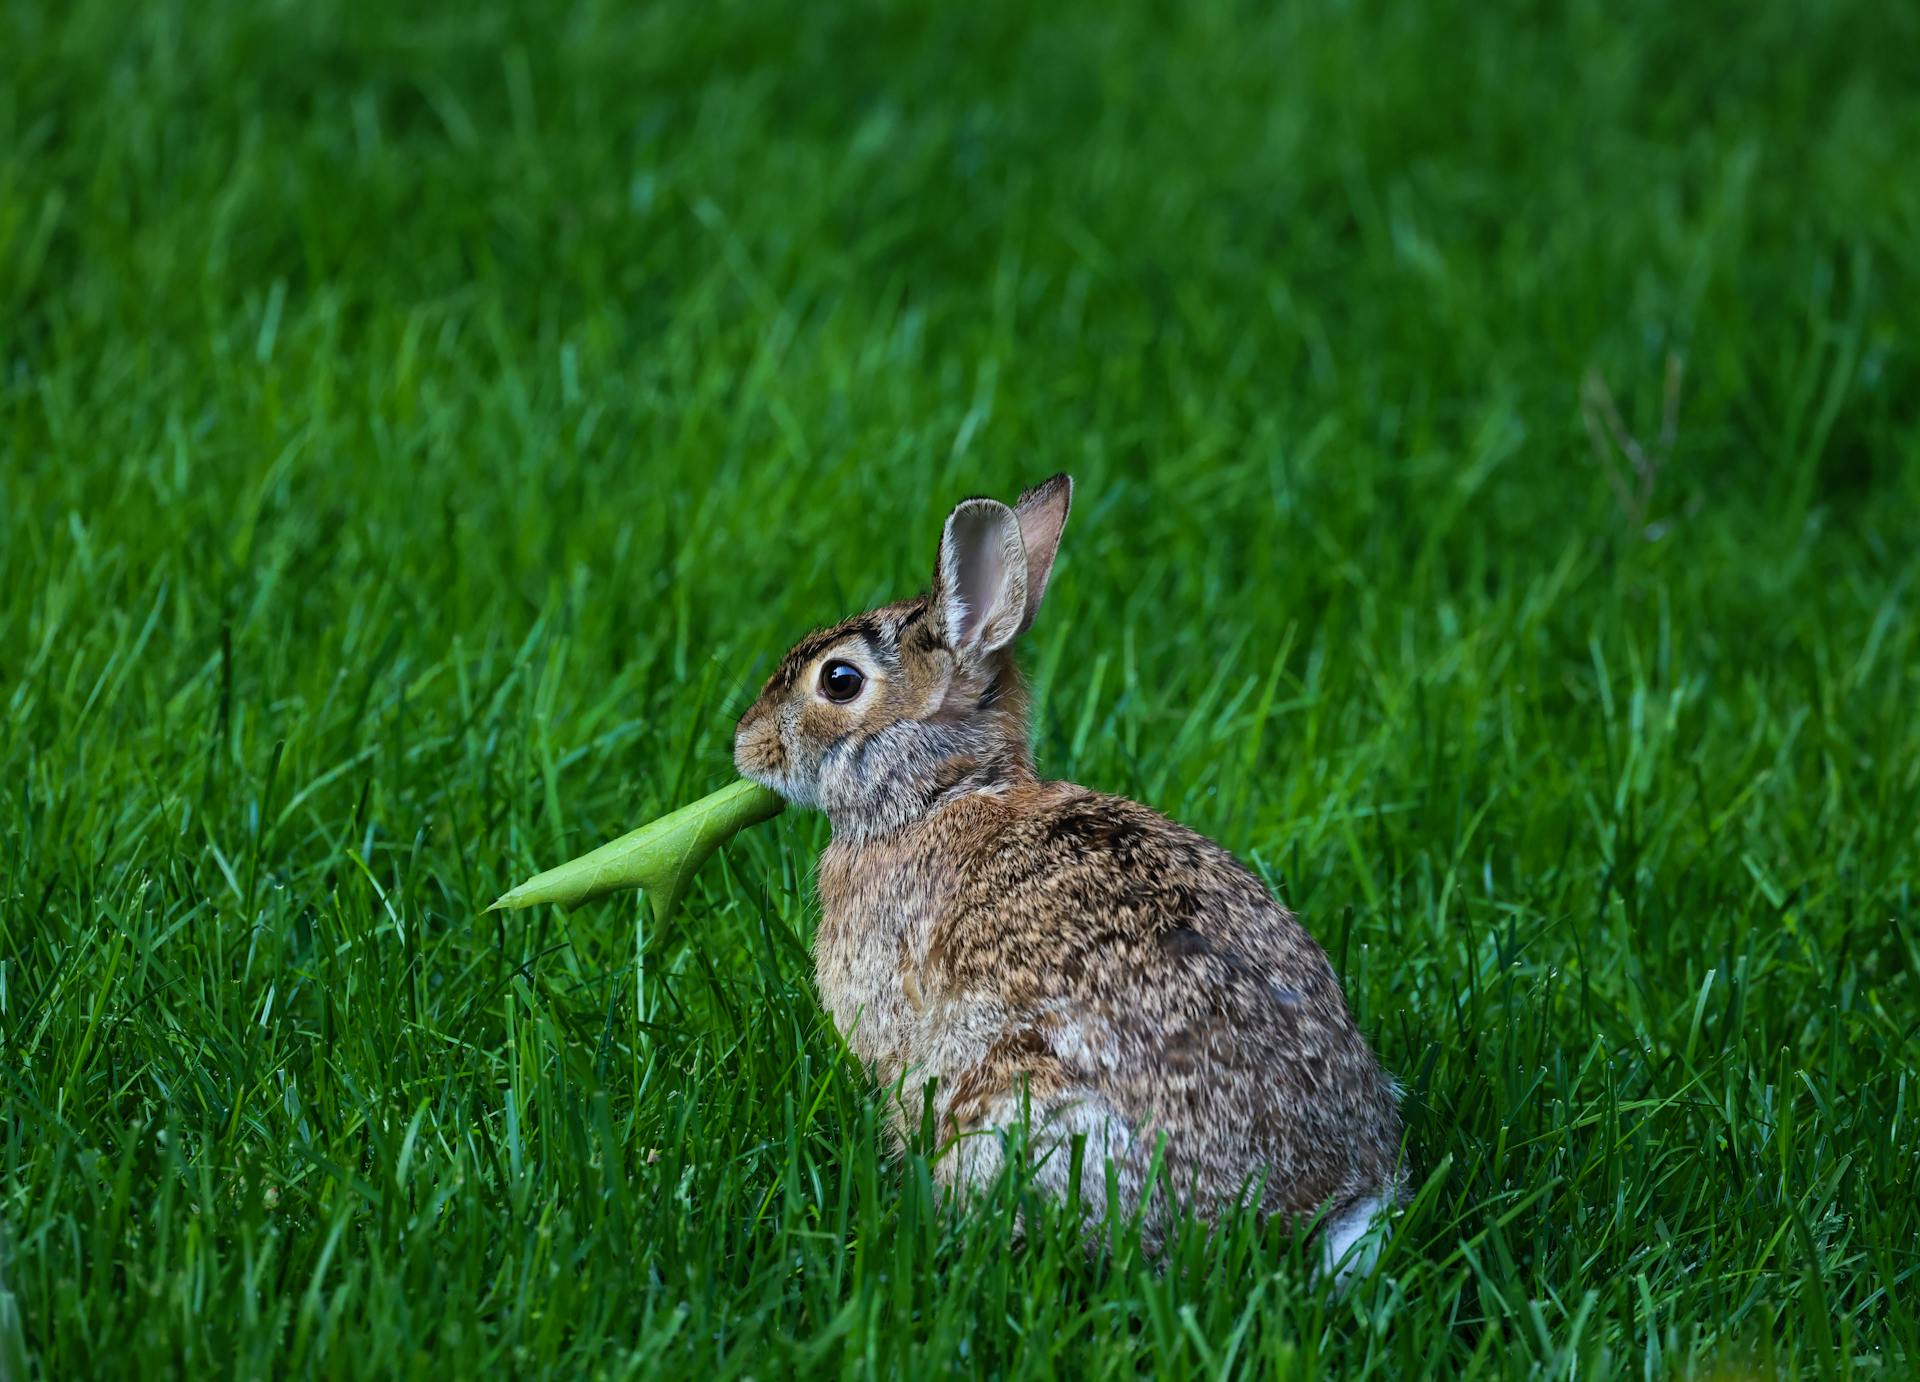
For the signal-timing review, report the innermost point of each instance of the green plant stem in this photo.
(660, 857)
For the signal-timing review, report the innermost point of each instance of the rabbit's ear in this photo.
(1042, 512)
(980, 579)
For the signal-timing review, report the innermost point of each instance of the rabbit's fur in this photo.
(1046, 955)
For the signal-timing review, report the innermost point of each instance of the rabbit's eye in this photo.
(841, 681)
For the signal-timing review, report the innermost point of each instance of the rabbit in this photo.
(1048, 957)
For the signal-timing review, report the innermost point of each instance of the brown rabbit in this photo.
(1044, 954)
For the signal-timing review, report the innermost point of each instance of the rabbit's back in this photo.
(1078, 960)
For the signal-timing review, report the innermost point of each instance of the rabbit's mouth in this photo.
(758, 754)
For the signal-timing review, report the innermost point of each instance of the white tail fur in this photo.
(1350, 1243)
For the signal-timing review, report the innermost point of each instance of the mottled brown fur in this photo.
(1038, 951)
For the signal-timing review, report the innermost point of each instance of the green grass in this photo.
(418, 435)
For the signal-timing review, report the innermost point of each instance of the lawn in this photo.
(1497, 431)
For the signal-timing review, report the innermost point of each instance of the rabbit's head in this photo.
(882, 717)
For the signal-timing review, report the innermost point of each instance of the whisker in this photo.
(737, 695)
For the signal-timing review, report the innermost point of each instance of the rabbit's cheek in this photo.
(822, 725)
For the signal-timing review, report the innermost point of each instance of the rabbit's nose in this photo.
(756, 744)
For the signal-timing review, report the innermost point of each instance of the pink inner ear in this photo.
(985, 576)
